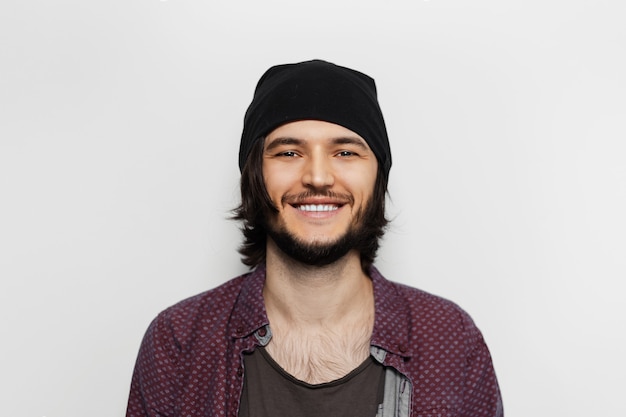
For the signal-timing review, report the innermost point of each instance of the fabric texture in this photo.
(270, 391)
(316, 90)
(191, 359)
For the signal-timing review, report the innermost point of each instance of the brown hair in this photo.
(256, 205)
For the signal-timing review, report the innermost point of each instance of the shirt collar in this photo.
(391, 318)
(249, 314)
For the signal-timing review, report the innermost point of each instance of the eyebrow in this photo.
(351, 141)
(275, 143)
(347, 140)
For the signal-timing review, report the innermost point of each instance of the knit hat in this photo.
(316, 90)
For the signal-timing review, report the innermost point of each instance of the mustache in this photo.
(299, 198)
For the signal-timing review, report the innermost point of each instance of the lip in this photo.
(317, 200)
(318, 204)
(318, 208)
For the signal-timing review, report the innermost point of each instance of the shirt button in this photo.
(239, 372)
(402, 348)
(239, 330)
(262, 332)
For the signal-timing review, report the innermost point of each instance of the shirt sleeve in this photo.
(482, 396)
(154, 384)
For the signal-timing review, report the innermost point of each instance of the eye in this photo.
(287, 154)
(346, 153)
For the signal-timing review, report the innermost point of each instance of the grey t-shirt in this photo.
(269, 391)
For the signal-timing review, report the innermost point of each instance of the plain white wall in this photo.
(119, 129)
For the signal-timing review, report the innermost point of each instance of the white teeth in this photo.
(317, 207)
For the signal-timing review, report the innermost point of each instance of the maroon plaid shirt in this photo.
(190, 361)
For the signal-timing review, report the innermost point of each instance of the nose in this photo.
(318, 173)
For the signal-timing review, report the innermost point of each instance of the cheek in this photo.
(276, 184)
(363, 182)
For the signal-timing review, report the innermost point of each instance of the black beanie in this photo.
(316, 90)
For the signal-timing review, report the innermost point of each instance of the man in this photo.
(314, 329)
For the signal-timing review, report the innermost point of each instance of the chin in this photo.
(315, 251)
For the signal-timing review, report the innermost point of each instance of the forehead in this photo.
(313, 130)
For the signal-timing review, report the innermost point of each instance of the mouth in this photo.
(315, 208)
(316, 204)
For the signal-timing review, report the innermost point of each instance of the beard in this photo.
(322, 253)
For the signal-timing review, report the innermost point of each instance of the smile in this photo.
(317, 207)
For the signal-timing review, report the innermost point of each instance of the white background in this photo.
(119, 130)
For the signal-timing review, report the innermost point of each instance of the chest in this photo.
(322, 354)
(270, 391)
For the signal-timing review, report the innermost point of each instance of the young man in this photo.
(314, 329)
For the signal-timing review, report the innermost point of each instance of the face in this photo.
(320, 177)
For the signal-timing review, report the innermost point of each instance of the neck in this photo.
(312, 295)
(321, 317)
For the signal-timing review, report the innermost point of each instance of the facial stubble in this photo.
(322, 253)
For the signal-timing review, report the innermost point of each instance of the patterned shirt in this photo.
(191, 359)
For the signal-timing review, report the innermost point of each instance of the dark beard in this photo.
(313, 254)
(324, 253)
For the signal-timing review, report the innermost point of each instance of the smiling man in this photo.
(314, 329)
(320, 177)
